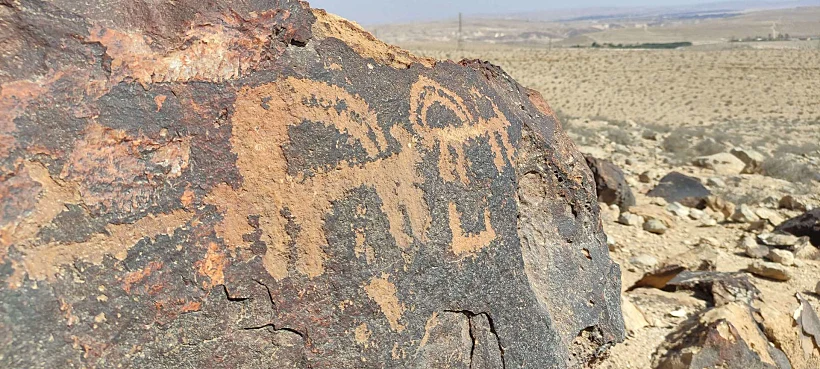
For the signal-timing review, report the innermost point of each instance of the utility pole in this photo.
(459, 31)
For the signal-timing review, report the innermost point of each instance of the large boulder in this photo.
(804, 225)
(610, 183)
(678, 187)
(258, 184)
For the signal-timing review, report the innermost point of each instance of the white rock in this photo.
(770, 270)
(784, 257)
(772, 216)
(723, 163)
(630, 219)
(709, 241)
(696, 214)
(778, 239)
(708, 222)
(715, 182)
(680, 313)
(752, 249)
(655, 226)
(744, 214)
(677, 209)
(644, 261)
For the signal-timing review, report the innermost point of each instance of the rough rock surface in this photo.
(678, 187)
(805, 225)
(723, 337)
(259, 184)
(610, 183)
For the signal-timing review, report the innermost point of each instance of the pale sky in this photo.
(387, 11)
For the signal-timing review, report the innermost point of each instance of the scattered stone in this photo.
(723, 163)
(792, 203)
(770, 270)
(708, 222)
(758, 226)
(630, 219)
(680, 313)
(644, 261)
(720, 206)
(778, 239)
(751, 159)
(645, 177)
(654, 212)
(807, 224)
(655, 226)
(724, 337)
(697, 214)
(677, 209)
(658, 278)
(610, 182)
(681, 188)
(744, 214)
(715, 182)
(709, 242)
(784, 257)
(610, 243)
(805, 250)
(634, 319)
(756, 251)
(768, 214)
(660, 201)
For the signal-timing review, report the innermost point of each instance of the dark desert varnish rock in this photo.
(678, 187)
(610, 183)
(804, 225)
(260, 184)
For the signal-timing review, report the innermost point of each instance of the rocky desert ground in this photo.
(745, 124)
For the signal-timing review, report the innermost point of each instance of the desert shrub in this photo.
(748, 198)
(620, 136)
(708, 146)
(789, 168)
(804, 149)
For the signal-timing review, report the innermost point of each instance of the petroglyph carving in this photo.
(260, 136)
(426, 95)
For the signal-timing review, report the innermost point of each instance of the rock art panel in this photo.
(262, 184)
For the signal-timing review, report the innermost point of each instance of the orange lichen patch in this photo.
(362, 334)
(426, 94)
(212, 266)
(329, 25)
(466, 245)
(137, 276)
(45, 261)
(383, 292)
(260, 135)
(214, 52)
